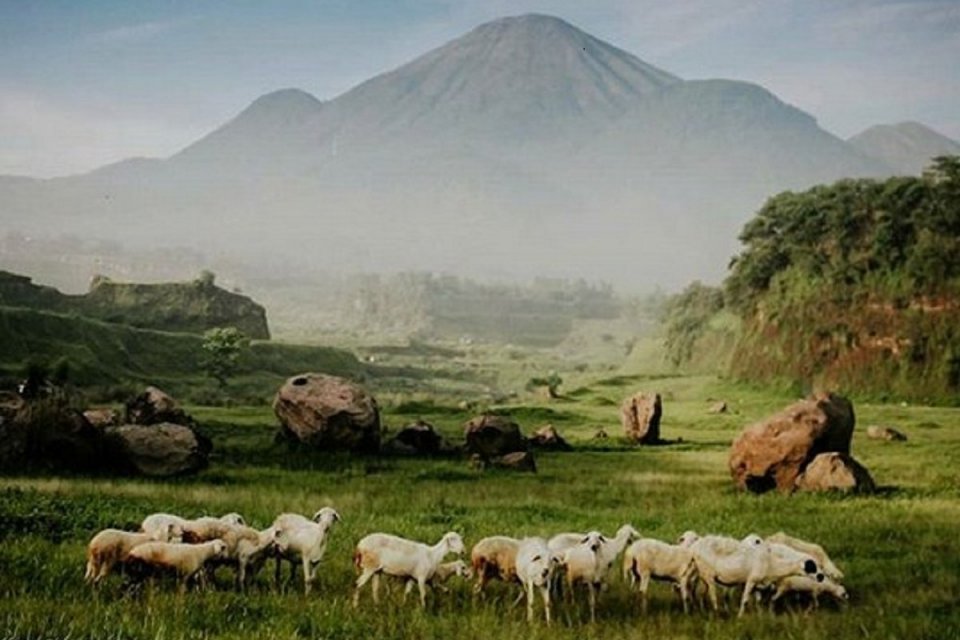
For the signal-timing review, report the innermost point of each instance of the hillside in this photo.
(495, 154)
(853, 286)
(102, 356)
(181, 306)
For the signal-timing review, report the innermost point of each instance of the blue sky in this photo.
(85, 83)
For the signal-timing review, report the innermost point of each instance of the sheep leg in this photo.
(712, 592)
(422, 584)
(747, 590)
(593, 601)
(529, 590)
(644, 586)
(376, 588)
(408, 588)
(685, 593)
(545, 592)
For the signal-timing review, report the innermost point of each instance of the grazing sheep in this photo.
(298, 538)
(535, 564)
(612, 548)
(814, 586)
(586, 564)
(494, 557)
(753, 563)
(156, 523)
(206, 528)
(247, 550)
(383, 553)
(648, 558)
(111, 546)
(186, 560)
(812, 549)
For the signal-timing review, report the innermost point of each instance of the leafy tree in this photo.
(551, 382)
(222, 347)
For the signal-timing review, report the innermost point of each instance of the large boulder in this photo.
(492, 436)
(835, 472)
(773, 452)
(46, 432)
(154, 406)
(156, 450)
(418, 438)
(549, 439)
(640, 416)
(328, 412)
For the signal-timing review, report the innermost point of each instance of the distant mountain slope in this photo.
(907, 147)
(524, 147)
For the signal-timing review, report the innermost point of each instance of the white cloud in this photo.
(43, 139)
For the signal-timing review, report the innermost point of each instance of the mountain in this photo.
(524, 147)
(907, 147)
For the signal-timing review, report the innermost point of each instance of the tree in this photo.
(222, 347)
(551, 382)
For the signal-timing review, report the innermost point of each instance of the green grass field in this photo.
(899, 548)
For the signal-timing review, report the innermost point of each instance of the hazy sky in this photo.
(85, 83)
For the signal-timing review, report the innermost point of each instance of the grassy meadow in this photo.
(899, 548)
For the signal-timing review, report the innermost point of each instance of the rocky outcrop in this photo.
(772, 453)
(492, 436)
(835, 472)
(640, 416)
(328, 413)
(156, 450)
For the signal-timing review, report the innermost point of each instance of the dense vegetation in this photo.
(854, 285)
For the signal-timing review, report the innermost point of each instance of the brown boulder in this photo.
(773, 452)
(328, 412)
(835, 472)
(418, 438)
(885, 433)
(493, 436)
(102, 417)
(46, 432)
(156, 450)
(153, 406)
(640, 416)
(548, 438)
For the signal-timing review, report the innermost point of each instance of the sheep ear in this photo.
(336, 516)
(585, 540)
(603, 539)
(535, 559)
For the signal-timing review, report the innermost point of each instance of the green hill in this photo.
(854, 286)
(101, 355)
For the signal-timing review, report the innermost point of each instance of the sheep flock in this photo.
(546, 572)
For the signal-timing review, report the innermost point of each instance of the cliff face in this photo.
(187, 307)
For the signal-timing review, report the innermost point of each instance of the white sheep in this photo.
(156, 523)
(381, 553)
(812, 549)
(305, 540)
(814, 586)
(535, 565)
(247, 549)
(648, 558)
(111, 546)
(494, 557)
(584, 563)
(612, 547)
(753, 563)
(186, 560)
